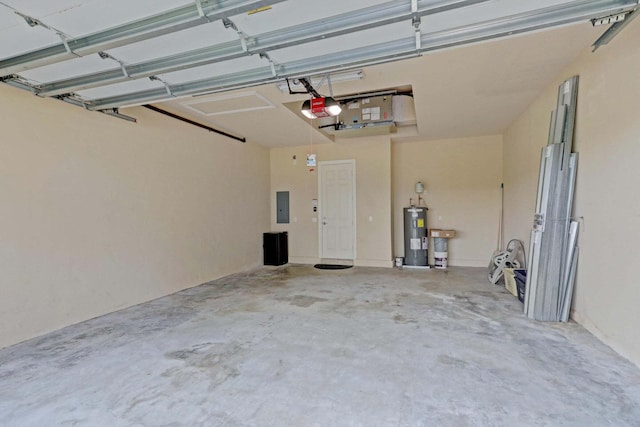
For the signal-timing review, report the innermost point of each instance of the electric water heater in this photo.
(416, 241)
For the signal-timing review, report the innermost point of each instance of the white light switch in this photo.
(370, 218)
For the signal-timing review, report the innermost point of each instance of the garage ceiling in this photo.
(117, 54)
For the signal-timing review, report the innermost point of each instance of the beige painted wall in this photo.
(608, 141)
(97, 214)
(373, 192)
(462, 179)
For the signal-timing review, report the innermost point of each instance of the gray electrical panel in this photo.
(282, 207)
(415, 236)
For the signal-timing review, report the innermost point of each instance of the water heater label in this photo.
(416, 244)
(420, 223)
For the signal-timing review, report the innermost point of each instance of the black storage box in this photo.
(275, 246)
(521, 282)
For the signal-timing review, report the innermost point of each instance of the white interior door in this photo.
(337, 182)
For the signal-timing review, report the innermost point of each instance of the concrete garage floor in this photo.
(294, 346)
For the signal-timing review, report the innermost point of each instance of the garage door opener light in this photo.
(320, 107)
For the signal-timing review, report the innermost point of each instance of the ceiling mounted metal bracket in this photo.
(167, 86)
(70, 99)
(115, 112)
(615, 29)
(69, 95)
(321, 82)
(35, 22)
(611, 19)
(228, 23)
(328, 76)
(272, 64)
(63, 38)
(415, 21)
(18, 82)
(4, 79)
(32, 22)
(201, 11)
(123, 67)
(416, 27)
(243, 41)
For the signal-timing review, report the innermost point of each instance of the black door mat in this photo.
(331, 266)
